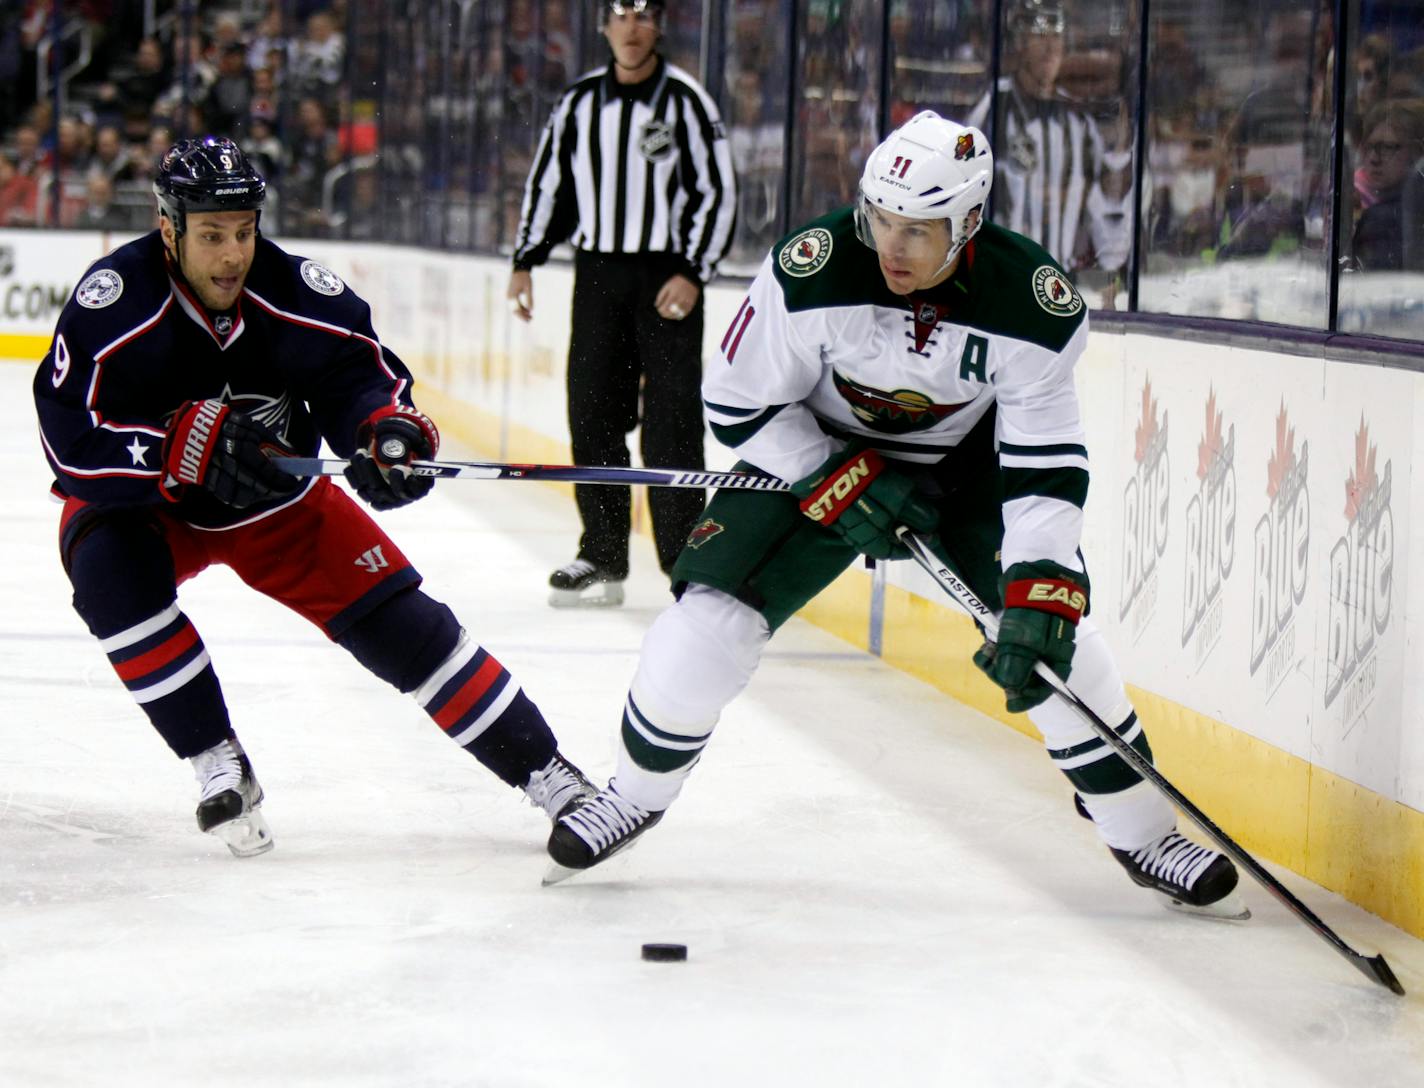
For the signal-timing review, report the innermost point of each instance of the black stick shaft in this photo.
(1374, 968)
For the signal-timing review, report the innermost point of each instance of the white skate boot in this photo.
(231, 800)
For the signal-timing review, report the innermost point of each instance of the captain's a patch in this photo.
(806, 254)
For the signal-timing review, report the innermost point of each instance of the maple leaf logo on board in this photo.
(1210, 446)
(1283, 459)
(1148, 429)
(1363, 480)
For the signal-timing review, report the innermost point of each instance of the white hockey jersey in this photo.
(821, 353)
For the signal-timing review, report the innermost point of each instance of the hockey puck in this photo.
(665, 953)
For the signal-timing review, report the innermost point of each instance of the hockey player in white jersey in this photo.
(901, 363)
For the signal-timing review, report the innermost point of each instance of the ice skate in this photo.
(584, 584)
(1191, 878)
(231, 800)
(558, 788)
(594, 832)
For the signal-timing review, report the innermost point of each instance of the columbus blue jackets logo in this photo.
(99, 289)
(322, 279)
(897, 412)
(806, 254)
(1054, 293)
(655, 141)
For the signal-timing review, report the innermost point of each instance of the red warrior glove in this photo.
(213, 446)
(387, 443)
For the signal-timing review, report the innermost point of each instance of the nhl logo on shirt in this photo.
(1054, 293)
(321, 279)
(99, 289)
(655, 141)
(223, 324)
(806, 254)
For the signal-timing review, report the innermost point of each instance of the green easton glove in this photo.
(855, 494)
(1043, 603)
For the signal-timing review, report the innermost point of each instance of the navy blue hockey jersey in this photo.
(134, 344)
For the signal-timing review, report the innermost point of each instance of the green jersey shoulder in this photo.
(1015, 289)
(1005, 283)
(823, 264)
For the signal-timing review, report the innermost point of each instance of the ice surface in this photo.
(877, 886)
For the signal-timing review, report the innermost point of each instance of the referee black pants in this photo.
(627, 364)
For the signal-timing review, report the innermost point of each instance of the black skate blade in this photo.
(1374, 967)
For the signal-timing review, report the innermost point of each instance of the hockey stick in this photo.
(579, 474)
(1374, 968)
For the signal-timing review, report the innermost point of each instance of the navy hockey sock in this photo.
(124, 591)
(415, 643)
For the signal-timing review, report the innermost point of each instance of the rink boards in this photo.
(1248, 535)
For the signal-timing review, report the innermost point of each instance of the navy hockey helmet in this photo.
(207, 175)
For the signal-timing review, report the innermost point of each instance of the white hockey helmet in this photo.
(929, 168)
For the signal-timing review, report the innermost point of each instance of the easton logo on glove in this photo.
(831, 497)
(1056, 595)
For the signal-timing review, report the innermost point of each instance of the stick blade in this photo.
(1374, 967)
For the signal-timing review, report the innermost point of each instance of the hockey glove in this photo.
(857, 496)
(386, 444)
(228, 453)
(1043, 603)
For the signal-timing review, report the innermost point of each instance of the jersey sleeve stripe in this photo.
(1047, 448)
(735, 434)
(728, 410)
(1069, 485)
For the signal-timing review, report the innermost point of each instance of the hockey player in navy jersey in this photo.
(184, 361)
(901, 364)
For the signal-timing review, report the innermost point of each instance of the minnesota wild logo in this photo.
(897, 412)
(806, 254)
(702, 532)
(1054, 293)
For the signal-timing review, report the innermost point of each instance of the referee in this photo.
(1048, 151)
(634, 168)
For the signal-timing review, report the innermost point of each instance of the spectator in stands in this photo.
(229, 100)
(263, 103)
(268, 39)
(96, 210)
(30, 158)
(112, 159)
(1372, 58)
(314, 150)
(190, 54)
(226, 32)
(75, 147)
(19, 196)
(264, 149)
(1393, 145)
(319, 58)
(160, 139)
(148, 79)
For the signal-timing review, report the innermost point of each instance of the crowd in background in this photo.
(414, 121)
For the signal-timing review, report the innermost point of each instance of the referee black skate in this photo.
(634, 169)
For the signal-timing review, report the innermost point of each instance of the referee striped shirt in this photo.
(632, 168)
(1048, 156)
